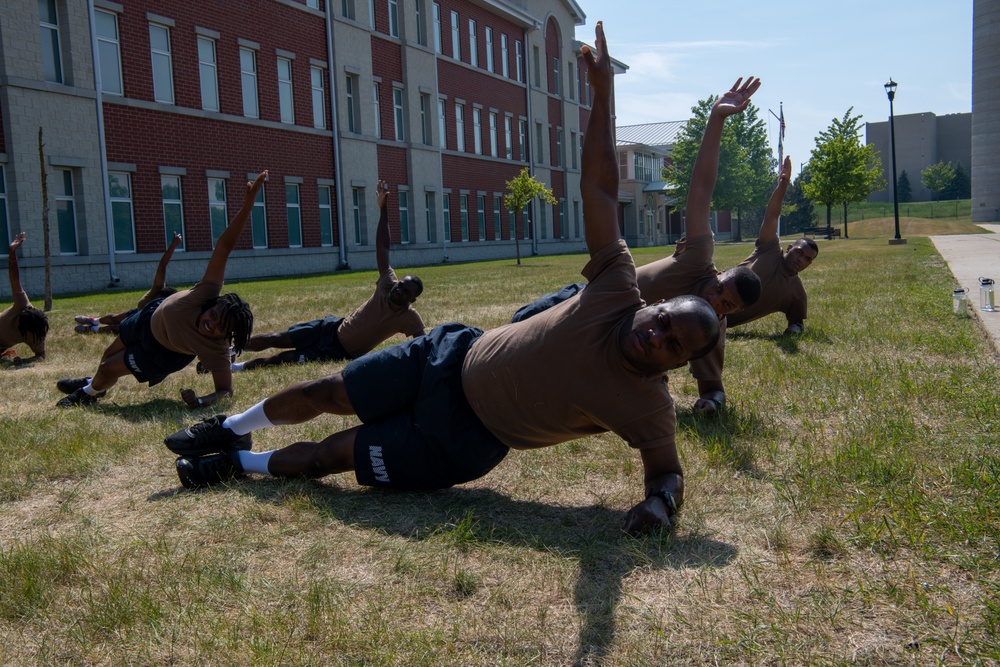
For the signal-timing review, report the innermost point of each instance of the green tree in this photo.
(937, 177)
(746, 165)
(904, 192)
(797, 209)
(520, 191)
(960, 186)
(843, 170)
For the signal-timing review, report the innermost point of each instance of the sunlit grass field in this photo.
(845, 510)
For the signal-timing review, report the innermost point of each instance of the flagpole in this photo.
(781, 147)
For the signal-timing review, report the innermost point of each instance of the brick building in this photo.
(445, 100)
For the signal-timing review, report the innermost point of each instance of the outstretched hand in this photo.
(253, 188)
(16, 243)
(382, 193)
(786, 171)
(737, 98)
(176, 241)
(599, 70)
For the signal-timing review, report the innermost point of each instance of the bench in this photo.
(825, 232)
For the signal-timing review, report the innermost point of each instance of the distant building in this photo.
(985, 111)
(922, 139)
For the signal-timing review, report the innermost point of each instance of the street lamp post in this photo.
(890, 90)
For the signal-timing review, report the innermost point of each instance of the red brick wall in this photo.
(392, 168)
(472, 174)
(456, 81)
(551, 51)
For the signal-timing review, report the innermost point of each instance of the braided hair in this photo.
(238, 318)
(34, 322)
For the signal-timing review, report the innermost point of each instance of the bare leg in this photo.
(265, 341)
(333, 455)
(112, 367)
(286, 357)
(306, 400)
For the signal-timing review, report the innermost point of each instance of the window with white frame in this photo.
(539, 133)
(556, 79)
(248, 79)
(293, 211)
(217, 213)
(508, 136)
(481, 216)
(397, 114)
(456, 45)
(437, 27)
(570, 80)
(536, 60)
(404, 216)
(163, 74)
(425, 119)
(559, 147)
(504, 63)
(477, 131)
(459, 127)
(463, 215)
(519, 60)
(258, 220)
(393, 18)
(317, 87)
(325, 216)
(286, 104)
(109, 52)
(429, 215)
(209, 74)
(377, 109)
(522, 131)
(173, 207)
(351, 84)
(576, 219)
(4, 222)
(473, 44)
(543, 221)
(48, 21)
(66, 212)
(489, 49)
(562, 219)
(312, 4)
(122, 220)
(496, 217)
(358, 213)
(493, 134)
(347, 9)
(446, 217)
(512, 222)
(572, 148)
(418, 8)
(442, 135)
(371, 13)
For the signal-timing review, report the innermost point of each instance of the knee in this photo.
(328, 394)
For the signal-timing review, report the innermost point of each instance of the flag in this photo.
(781, 132)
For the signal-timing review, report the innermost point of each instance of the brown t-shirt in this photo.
(686, 272)
(781, 290)
(175, 326)
(9, 333)
(153, 292)
(561, 375)
(375, 320)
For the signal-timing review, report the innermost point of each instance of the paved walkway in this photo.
(970, 256)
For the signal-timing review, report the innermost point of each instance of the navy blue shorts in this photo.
(145, 357)
(546, 302)
(419, 431)
(317, 340)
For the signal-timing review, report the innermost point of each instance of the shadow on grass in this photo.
(462, 517)
(156, 410)
(728, 438)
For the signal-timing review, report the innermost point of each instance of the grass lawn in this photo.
(844, 510)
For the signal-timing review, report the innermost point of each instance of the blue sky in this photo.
(816, 59)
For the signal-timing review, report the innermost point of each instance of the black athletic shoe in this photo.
(69, 385)
(199, 471)
(79, 397)
(206, 437)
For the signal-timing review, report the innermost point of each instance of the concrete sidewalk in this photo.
(970, 256)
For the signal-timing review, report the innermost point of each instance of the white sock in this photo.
(255, 461)
(251, 420)
(89, 390)
(238, 366)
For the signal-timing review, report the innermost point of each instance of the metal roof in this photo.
(659, 135)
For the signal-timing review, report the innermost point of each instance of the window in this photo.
(463, 215)
(285, 100)
(522, 130)
(496, 217)
(248, 78)
(473, 44)
(576, 219)
(437, 27)
(66, 212)
(312, 4)
(557, 88)
(325, 216)
(446, 217)
(646, 167)
(442, 136)
(493, 134)
(397, 115)
(4, 225)
(538, 143)
(543, 221)
(404, 216)
(120, 186)
(358, 210)
(519, 61)
(393, 18)
(508, 137)
(378, 110)
(477, 133)
(569, 80)
(163, 77)
(173, 207)
(217, 213)
(504, 64)
(48, 22)
(562, 219)
(481, 216)
(421, 29)
(318, 96)
(294, 213)
(347, 9)
(536, 61)
(352, 101)
(429, 215)
(559, 144)
(456, 45)
(489, 49)
(425, 119)
(512, 221)
(109, 52)
(572, 148)
(459, 127)
(208, 71)
(585, 97)
(258, 220)
(371, 13)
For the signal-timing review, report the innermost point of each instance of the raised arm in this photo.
(12, 272)
(382, 232)
(161, 269)
(216, 269)
(599, 172)
(769, 227)
(706, 164)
